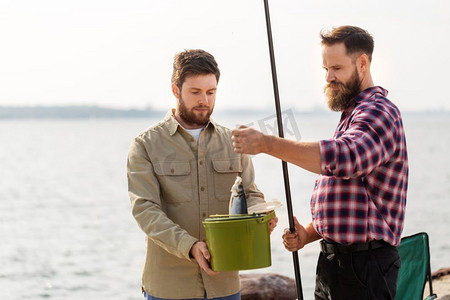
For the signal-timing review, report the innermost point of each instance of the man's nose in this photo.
(203, 99)
(329, 77)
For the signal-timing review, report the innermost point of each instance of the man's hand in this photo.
(294, 241)
(200, 253)
(249, 141)
(273, 223)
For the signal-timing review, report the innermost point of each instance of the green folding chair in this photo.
(415, 271)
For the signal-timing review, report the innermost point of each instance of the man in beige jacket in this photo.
(180, 171)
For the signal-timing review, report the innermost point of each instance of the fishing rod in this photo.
(283, 163)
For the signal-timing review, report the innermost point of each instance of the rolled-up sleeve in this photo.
(369, 142)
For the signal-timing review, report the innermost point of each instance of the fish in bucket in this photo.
(238, 202)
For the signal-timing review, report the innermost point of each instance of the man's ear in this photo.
(363, 63)
(175, 90)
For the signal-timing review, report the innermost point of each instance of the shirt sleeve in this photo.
(369, 142)
(144, 192)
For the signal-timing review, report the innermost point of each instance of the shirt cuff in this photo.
(186, 244)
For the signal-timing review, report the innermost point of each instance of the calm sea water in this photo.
(65, 223)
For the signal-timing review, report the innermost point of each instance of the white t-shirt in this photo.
(195, 133)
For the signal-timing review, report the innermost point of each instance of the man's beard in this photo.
(189, 116)
(342, 98)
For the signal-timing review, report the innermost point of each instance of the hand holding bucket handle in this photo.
(200, 253)
(273, 223)
(271, 219)
(269, 209)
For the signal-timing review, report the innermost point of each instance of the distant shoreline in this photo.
(99, 112)
(72, 112)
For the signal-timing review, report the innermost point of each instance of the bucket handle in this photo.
(266, 218)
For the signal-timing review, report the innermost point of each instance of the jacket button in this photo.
(172, 171)
(202, 188)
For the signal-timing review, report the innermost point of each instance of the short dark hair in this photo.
(355, 39)
(193, 62)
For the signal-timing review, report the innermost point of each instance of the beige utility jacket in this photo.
(175, 183)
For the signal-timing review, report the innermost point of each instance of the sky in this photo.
(119, 54)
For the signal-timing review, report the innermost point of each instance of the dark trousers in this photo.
(369, 274)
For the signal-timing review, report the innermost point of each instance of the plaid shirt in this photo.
(361, 194)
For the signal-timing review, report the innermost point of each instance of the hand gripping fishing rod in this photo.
(284, 164)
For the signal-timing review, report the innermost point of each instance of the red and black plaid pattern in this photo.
(361, 194)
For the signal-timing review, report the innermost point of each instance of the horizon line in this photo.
(149, 108)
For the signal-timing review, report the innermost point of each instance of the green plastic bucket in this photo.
(238, 242)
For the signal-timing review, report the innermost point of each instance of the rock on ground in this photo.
(267, 286)
(441, 284)
(271, 286)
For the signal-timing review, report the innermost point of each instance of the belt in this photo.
(328, 247)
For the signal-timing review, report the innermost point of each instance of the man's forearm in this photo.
(303, 154)
(312, 234)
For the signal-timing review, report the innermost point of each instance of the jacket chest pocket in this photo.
(175, 180)
(225, 172)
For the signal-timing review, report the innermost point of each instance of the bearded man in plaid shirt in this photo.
(358, 202)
